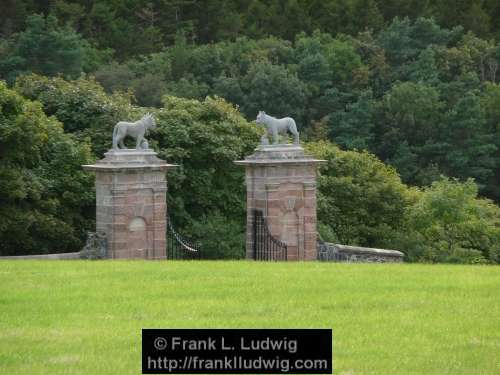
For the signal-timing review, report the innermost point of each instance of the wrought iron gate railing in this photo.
(179, 247)
(265, 246)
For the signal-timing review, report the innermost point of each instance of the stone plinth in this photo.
(281, 182)
(131, 205)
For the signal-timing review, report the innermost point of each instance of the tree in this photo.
(490, 102)
(353, 127)
(344, 62)
(46, 199)
(366, 15)
(411, 129)
(45, 48)
(82, 106)
(272, 88)
(148, 90)
(205, 138)
(472, 149)
(114, 77)
(403, 40)
(361, 201)
(454, 225)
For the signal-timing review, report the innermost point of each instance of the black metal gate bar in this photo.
(179, 247)
(265, 246)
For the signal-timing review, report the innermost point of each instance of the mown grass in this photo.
(83, 317)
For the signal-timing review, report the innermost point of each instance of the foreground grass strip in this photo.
(82, 317)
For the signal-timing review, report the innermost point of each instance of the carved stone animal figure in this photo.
(136, 130)
(275, 126)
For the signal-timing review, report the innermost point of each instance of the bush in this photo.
(453, 224)
(44, 48)
(207, 192)
(361, 201)
(82, 106)
(46, 200)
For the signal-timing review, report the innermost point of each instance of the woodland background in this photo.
(401, 97)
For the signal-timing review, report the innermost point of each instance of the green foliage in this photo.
(352, 128)
(114, 77)
(472, 148)
(450, 224)
(490, 101)
(220, 237)
(419, 93)
(132, 28)
(404, 39)
(272, 86)
(81, 105)
(46, 200)
(204, 138)
(148, 90)
(360, 199)
(44, 48)
(410, 136)
(207, 192)
(411, 94)
(94, 58)
(363, 202)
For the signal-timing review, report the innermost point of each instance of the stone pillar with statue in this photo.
(281, 186)
(131, 187)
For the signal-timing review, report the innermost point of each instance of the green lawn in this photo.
(83, 317)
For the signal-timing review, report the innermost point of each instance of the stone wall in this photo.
(342, 253)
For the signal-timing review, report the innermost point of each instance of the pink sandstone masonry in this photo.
(281, 182)
(131, 206)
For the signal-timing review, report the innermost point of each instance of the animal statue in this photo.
(136, 130)
(276, 126)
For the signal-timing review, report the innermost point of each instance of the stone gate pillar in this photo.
(281, 182)
(131, 205)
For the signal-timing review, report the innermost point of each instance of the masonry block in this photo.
(131, 206)
(281, 182)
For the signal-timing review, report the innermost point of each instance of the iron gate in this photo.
(179, 247)
(265, 246)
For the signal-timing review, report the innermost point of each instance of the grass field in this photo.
(82, 317)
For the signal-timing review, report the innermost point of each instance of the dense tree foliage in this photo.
(139, 26)
(369, 82)
(361, 201)
(44, 48)
(207, 192)
(422, 98)
(448, 223)
(81, 105)
(46, 200)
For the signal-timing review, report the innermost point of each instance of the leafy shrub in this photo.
(46, 200)
(207, 192)
(44, 48)
(361, 200)
(453, 224)
(81, 105)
